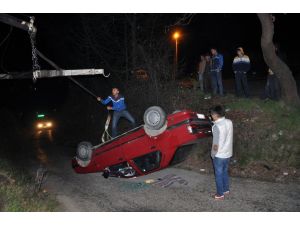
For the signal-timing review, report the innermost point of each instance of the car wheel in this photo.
(84, 151)
(155, 118)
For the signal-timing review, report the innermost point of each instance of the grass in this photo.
(17, 192)
(272, 137)
(285, 117)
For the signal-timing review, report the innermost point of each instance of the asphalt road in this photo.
(167, 190)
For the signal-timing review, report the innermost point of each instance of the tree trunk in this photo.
(284, 74)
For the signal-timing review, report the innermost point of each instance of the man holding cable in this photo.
(119, 108)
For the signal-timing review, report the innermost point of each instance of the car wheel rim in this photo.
(153, 118)
(83, 153)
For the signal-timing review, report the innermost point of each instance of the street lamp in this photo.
(176, 36)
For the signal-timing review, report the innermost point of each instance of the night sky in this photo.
(56, 33)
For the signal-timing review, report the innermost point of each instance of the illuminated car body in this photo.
(146, 154)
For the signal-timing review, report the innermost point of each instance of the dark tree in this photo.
(287, 81)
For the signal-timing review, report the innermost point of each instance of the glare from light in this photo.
(176, 35)
(49, 124)
(40, 125)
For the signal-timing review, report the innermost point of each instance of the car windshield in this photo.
(148, 162)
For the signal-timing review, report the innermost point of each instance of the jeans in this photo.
(117, 115)
(221, 174)
(216, 82)
(201, 81)
(241, 83)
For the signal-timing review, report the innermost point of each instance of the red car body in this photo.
(146, 154)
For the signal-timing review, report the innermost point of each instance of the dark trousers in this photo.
(241, 84)
(117, 115)
(273, 88)
(216, 82)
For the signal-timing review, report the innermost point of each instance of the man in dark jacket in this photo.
(119, 108)
(240, 66)
(216, 72)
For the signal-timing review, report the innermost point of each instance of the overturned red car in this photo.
(162, 141)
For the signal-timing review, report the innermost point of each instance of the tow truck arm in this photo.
(21, 24)
(31, 29)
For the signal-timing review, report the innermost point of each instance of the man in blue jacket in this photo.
(240, 66)
(216, 72)
(119, 108)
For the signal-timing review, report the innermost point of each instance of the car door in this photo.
(109, 155)
(138, 145)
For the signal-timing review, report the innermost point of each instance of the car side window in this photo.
(148, 162)
(120, 170)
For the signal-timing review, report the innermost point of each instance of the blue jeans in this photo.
(221, 174)
(117, 115)
(216, 82)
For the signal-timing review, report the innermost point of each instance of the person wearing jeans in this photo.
(221, 151)
(217, 83)
(117, 115)
(217, 62)
(119, 108)
(221, 175)
(240, 66)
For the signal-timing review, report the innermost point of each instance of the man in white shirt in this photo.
(221, 149)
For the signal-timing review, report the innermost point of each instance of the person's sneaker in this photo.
(226, 193)
(218, 197)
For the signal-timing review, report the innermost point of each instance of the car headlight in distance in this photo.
(49, 124)
(40, 125)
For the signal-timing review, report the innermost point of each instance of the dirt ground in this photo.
(172, 189)
(199, 161)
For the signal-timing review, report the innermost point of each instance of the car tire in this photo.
(154, 133)
(84, 151)
(155, 118)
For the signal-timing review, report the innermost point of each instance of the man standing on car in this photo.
(216, 72)
(240, 66)
(221, 151)
(119, 108)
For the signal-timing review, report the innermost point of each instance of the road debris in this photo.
(169, 180)
(149, 181)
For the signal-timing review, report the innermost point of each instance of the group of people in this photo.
(210, 72)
